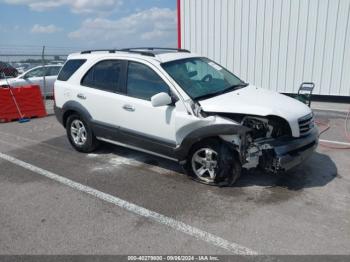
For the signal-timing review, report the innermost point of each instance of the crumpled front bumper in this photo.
(287, 153)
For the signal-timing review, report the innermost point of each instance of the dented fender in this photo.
(222, 129)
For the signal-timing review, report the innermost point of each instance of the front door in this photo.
(152, 125)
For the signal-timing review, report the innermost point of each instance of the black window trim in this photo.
(121, 79)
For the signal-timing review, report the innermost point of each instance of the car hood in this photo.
(256, 101)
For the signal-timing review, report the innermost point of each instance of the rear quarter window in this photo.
(53, 70)
(69, 68)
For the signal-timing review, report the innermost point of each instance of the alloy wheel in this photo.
(78, 132)
(205, 164)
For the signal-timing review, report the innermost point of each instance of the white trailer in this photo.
(274, 44)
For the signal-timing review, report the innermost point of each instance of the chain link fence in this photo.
(27, 65)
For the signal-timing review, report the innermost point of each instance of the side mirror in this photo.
(161, 99)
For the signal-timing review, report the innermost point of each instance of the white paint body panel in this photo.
(260, 102)
(274, 44)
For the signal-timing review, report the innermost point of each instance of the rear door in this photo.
(100, 92)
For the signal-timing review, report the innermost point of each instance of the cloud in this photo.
(156, 26)
(45, 29)
(76, 6)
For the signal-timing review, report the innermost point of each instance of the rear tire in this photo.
(213, 162)
(80, 134)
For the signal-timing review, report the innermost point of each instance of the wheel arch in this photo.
(73, 107)
(207, 133)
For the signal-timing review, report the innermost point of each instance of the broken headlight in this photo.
(259, 127)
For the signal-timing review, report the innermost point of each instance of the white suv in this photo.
(184, 107)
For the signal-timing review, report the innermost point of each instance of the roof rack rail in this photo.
(137, 50)
(156, 48)
(118, 50)
(99, 50)
(141, 52)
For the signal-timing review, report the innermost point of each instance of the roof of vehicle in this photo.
(56, 65)
(161, 55)
(39, 66)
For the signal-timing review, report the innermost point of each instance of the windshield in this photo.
(202, 78)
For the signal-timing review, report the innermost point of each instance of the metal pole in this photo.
(44, 78)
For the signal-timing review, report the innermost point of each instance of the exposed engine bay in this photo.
(267, 142)
(260, 127)
(255, 146)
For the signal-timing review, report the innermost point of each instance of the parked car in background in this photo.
(8, 70)
(22, 67)
(35, 76)
(20, 70)
(57, 62)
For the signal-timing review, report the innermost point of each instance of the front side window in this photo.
(104, 75)
(143, 82)
(37, 72)
(202, 78)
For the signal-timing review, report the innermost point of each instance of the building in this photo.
(275, 44)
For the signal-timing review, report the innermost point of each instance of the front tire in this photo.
(80, 134)
(213, 162)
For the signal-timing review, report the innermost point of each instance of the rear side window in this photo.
(143, 82)
(105, 75)
(52, 70)
(69, 68)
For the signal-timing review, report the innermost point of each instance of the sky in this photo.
(70, 25)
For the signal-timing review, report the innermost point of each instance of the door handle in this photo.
(129, 108)
(81, 96)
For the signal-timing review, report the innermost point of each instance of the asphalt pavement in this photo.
(99, 202)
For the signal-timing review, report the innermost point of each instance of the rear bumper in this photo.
(288, 153)
(58, 113)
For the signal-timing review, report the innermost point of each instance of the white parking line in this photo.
(159, 218)
(335, 142)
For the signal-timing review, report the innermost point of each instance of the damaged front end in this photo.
(269, 143)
